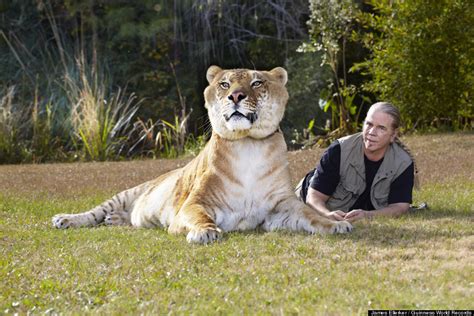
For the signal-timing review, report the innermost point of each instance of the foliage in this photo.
(306, 81)
(422, 59)
(26, 133)
(143, 38)
(45, 145)
(160, 50)
(100, 123)
(69, 101)
(99, 118)
(163, 139)
(10, 120)
(330, 27)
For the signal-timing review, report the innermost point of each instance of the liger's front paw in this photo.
(62, 221)
(204, 235)
(341, 227)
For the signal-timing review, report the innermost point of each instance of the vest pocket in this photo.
(381, 197)
(342, 198)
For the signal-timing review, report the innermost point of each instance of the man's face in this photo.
(378, 132)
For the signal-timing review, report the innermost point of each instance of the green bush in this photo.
(422, 59)
(306, 79)
(100, 118)
(330, 27)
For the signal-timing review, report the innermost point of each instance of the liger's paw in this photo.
(114, 219)
(62, 221)
(341, 227)
(204, 235)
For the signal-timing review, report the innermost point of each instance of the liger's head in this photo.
(243, 102)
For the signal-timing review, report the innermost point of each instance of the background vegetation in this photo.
(97, 80)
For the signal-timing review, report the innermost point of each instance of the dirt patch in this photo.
(71, 179)
(441, 158)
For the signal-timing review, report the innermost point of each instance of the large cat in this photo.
(239, 181)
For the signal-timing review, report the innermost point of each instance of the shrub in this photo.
(422, 59)
(10, 121)
(100, 119)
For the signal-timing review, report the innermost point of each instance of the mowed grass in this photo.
(422, 260)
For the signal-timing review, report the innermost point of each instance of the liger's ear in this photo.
(212, 73)
(281, 74)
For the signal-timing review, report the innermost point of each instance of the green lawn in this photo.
(423, 260)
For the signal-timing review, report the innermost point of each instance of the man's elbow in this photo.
(401, 208)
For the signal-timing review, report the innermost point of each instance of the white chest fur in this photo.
(259, 168)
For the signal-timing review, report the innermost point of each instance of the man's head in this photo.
(380, 128)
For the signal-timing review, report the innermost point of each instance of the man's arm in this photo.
(399, 198)
(317, 201)
(394, 209)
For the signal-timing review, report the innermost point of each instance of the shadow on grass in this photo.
(423, 227)
(439, 214)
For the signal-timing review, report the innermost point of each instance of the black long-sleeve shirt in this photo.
(328, 178)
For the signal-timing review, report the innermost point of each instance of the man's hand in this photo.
(336, 215)
(394, 209)
(355, 215)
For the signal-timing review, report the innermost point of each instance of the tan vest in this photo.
(352, 174)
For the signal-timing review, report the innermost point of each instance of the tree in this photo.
(422, 59)
(158, 49)
(330, 27)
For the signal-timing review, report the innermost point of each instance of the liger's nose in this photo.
(237, 96)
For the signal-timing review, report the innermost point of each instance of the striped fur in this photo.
(239, 181)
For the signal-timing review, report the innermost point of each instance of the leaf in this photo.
(353, 110)
(366, 99)
(311, 125)
(329, 104)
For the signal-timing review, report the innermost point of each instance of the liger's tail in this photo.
(115, 211)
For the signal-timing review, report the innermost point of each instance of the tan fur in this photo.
(239, 181)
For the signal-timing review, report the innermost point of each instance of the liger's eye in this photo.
(256, 83)
(224, 85)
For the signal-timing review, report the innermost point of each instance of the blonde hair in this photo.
(394, 113)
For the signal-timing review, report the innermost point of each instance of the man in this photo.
(363, 175)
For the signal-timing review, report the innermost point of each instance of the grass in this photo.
(422, 260)
(63, 106)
